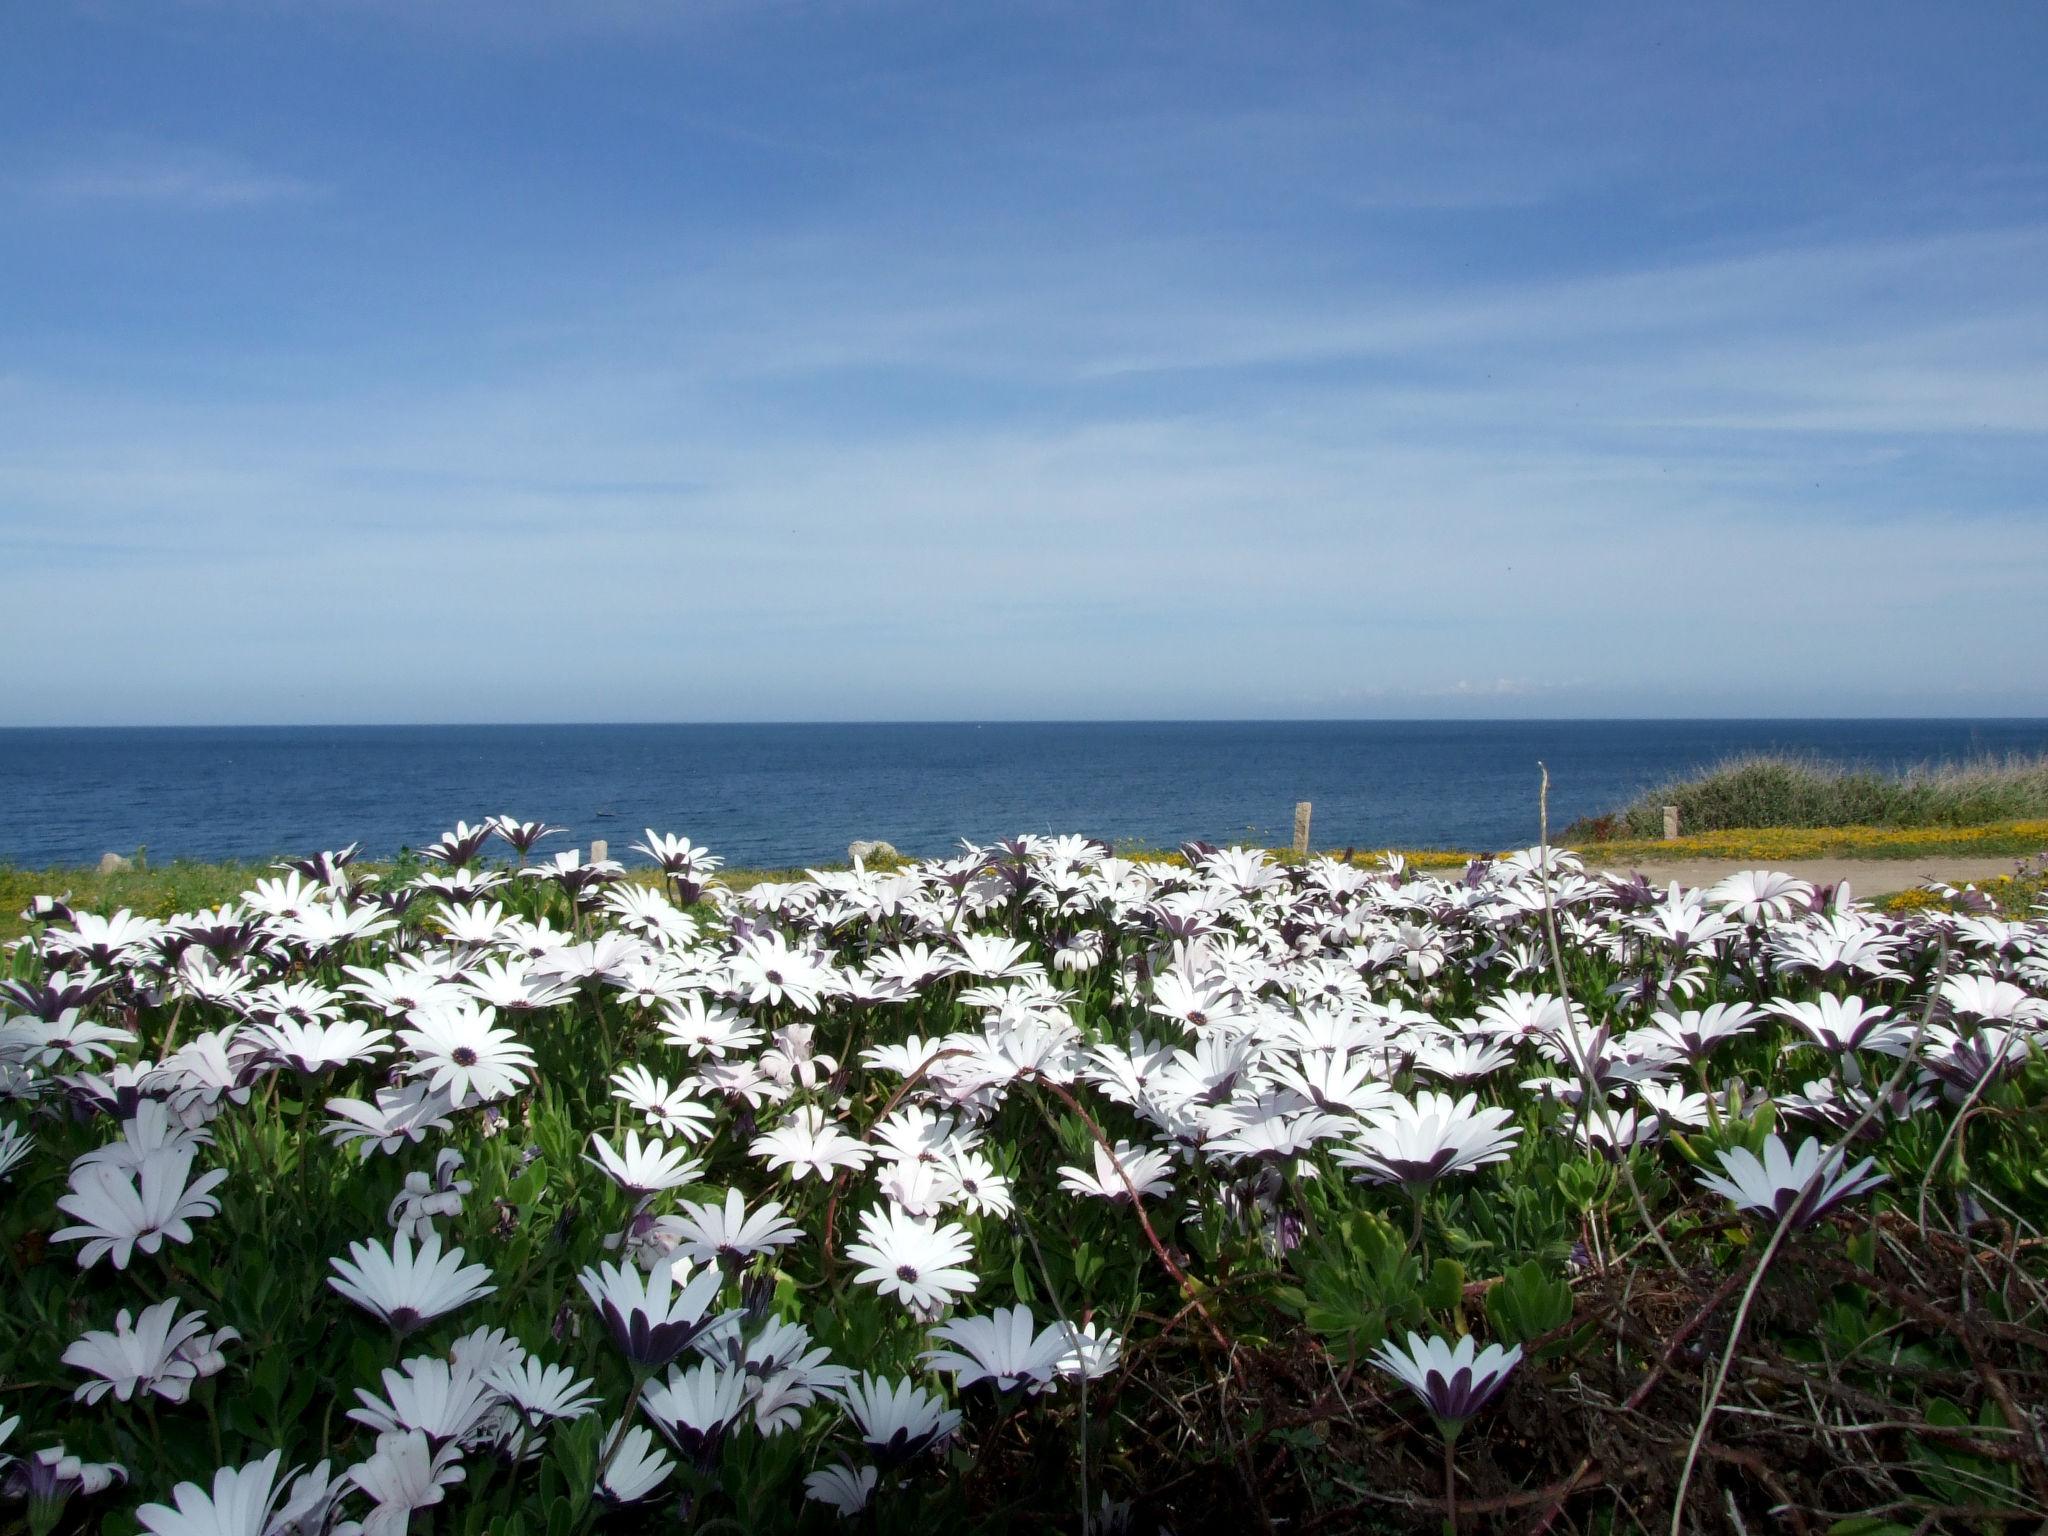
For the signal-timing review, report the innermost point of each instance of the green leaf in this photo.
(527, 1189)
(1446, 1286)
(1527, 1304)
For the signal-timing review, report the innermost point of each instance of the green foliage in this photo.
(1358, 1282)
(1775, 790)
(1527, 1303)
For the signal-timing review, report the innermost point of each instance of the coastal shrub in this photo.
(1769, 790)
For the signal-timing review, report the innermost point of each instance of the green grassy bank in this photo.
(184, 885)
(1781, 791)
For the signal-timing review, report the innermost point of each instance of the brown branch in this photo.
(1187, 1285)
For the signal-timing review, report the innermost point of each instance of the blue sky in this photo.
(413, 360)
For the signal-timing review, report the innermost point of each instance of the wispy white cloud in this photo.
(164, 176)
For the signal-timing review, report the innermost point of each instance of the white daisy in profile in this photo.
(1091, 1350)
(644, 1168)
(240, 1503)
(1840, 1024)
(1418, 1141)
(1461, 1060)
(400, 1116)
(460, 1050)
(729, 1234)
(654, 1317)
(1799, 1187)
(845, 1490)
(1759, 895)
(404, 1475)
(44, 1043)
(1006, 1348)
(898, 1420)
(157, 1352)
(677, 855)
(541, 1393)
(407, 1287)
(1145, 1169)
(485, 1349)
(322, 1046)
(694, 1408)
(785, 1369)
(15, 1146)
(921, 1263)
(1693, 1033)
(522, 835)
(913, 1188)
(1453, 1381)
(144, 1135)
(638, 1466)
(426, 1393)
(904, 1057)
(119, 1210)
(1986, 997)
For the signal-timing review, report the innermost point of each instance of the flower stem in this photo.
(1450, 1485)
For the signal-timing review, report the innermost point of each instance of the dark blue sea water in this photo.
(779, 795)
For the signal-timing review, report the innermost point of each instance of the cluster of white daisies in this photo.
(1262, 1018)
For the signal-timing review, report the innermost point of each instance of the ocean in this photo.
(786, 795)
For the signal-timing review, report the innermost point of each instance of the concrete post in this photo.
(1301, 827)
(1670, 823)
(600, 850)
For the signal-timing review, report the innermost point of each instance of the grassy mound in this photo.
(1788, 791)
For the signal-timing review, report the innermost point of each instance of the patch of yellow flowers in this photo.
(1832, 842)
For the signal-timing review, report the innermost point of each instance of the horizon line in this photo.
(514, 725)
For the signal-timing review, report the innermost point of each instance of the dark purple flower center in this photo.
(463, 1056)
(907, 1274)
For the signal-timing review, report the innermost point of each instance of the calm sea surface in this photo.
(774, 795)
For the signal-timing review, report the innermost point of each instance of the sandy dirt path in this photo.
(1866, 877)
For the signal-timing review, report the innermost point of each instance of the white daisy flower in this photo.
(542, 1393)
(807, 1143)
(119, 1211)
(1802, 1186)
(460, 1050)
(637, 1468)
(898, 1420)
(1006, 1348)
(156, 1352)
(240, 1504)
(729, 1233)
(403, 1476)
(845, 1489)
(408, 1287)
(654, 1317)
(918, 1262)
(645, 1168)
